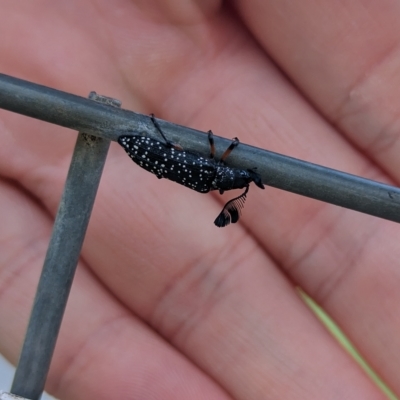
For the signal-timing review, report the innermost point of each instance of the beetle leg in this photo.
(256, 178)
(235, 143)
(168, 143)
(212, 145)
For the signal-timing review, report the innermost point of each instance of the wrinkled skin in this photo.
(164, 304)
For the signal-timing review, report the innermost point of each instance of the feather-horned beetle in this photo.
(170, 161)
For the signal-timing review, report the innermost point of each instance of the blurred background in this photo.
(7, 375)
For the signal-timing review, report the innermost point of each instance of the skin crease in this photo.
(164, 304)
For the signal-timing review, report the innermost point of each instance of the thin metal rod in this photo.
(60, 264)
(276, 170)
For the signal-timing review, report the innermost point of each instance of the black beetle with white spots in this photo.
(168, 160)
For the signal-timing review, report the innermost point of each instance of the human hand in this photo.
(164, 304)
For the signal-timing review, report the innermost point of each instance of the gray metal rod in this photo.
(60, 264)
(276, 170)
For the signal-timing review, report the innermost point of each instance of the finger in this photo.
(97, 330)
(340, 257)
(344, 57)
(110, 335)
(138, 242)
